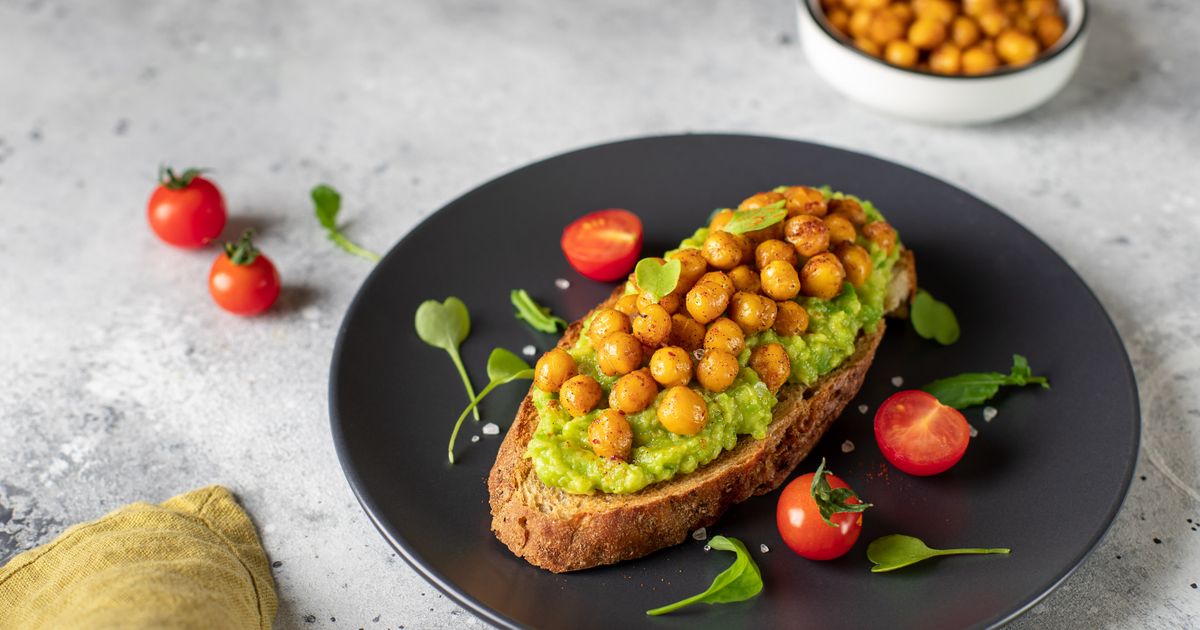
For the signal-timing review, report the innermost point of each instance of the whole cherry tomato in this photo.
(603, 245)
(920, 435)
(242, 280)
(803, 508)
(186, 210)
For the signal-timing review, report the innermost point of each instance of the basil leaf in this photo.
(445, 325)
(534, 314)
(752, 220)
(831, 500)
(896, 551)
(933, 319)
(655, 278)
(974, 388)
(327, 202)
(503, 367)
(741, 581)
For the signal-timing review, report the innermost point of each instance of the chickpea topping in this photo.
(619, 353)
(946, 60)
(849, 208)
(992, 22)
(979, 60)
(904, 12)
(746, 279)
(723, 250)
(792, 319)
(808, 234)
(720, 280)
(841, 230)
(682, 411)
(805, 200)
(927, 33)
(652, 325)
(780, 280)
(686, 332)
(671, 302)
(633, 392)
(627, 305)
(720, 220)
(938, 10)
(671, 366)
(964, 31)
(692, 265)
(860, 23)
(882, 234)
(869, 47)
(754, 313)
(553, 369)
(759, 200)
(756, 237)
(717, 370)
(606, 322)
(726, 335)
(610, 435)
(885, 27)
(773, 250)
(706, 301)
(771, 363)
(901, 53)
(976, 7)
(1016, 48)
(839, 19)
(856, 261)
(580, 394)
(1049, 29)
(822, 276)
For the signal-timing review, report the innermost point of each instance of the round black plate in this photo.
(1045, 477)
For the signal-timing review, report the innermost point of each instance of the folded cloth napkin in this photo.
(194, 561)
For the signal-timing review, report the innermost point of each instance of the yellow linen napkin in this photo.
(194, 561)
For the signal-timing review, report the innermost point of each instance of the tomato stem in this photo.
(172, 181)
(243, 252)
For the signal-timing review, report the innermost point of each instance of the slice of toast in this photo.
(561, 532)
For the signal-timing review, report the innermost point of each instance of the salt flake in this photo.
(974, 431)
(897, 381)
(989, 413)
(863, 409)
(474, 438)
(529, 351)
(764, 548)
(847, 446)
(562, 283)
(700, 534)
(490, 428)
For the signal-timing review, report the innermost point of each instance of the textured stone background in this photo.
(122, 382)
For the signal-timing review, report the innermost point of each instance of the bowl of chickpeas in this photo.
(945, 61)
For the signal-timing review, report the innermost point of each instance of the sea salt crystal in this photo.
(974, 431)
(701, 534)
(474, 438)
(764, 548)
(528, 351)
(698, 354)
(897, 381)
(847, 446)
(989, 413)
(490, 429)
(863, 409)
(707, 548)
(563, 284)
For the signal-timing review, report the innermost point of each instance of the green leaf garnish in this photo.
(831, 500)
(739, 582)
(657, 279)
(445, 325)
(752, 220)
(502, 367)
(973, 388)
(327, 202)
(534, 314)
(933, 319)
(896, 551)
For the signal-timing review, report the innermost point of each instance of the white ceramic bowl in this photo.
(936, 98)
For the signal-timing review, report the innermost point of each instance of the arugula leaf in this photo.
(503, 367)
(445, 325)
(534, 314)
(657, 279)
(751, 220)
(739, 582)
(833, 500)
(896, 551)
(933, 319)
(327, 202)
(973, 388)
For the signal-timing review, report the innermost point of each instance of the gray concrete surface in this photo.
(122, 382)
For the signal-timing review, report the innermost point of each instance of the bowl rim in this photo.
(1074, 30)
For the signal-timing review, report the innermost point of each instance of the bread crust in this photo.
(560, 532)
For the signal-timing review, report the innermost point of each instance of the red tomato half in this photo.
(242, 280)
(186, 210)
(920, 435)
(802, 528)
(603, 245)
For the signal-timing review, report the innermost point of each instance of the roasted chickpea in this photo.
(580, 394)
(904, 12)
(774, 250)
(1049, 28)
(610, 435)
(849, 208)
(633, 392)
(652, 325)
(993, 22)
(860, 23)
(1023, 24)
(619, 353)
(885, 27)
(977, 7)
(772, 365)
(724, 334)
(671, 366)
(856, 261)
(873, 4)
(792, 319)
(1037, 8)
(946, 60)
(979, 60)
(838, 18)
(686, 332)
(672, 302)
(1016, 48)
(756, 237)
(822, 276)
(780, 280)
(692, 265)
(720, 219)
(805, 200)
(719, 280)
(841, 230)
(901, 53)
(682, 411)
(927, 33)
(869, 47)
(754, 202)
(627, 305)
(882, 234)
(939, 10)
(723, 250)
(717, 370)
(964, 31)
(754, 313)
(746, 279)
(706, 301)
(553, 369)
(606, 322)
(808, 234)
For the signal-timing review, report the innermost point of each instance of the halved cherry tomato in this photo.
(802, 528)
(920, 435)
(603, 245)
(186, 210)
(242, 280)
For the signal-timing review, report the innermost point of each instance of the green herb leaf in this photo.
(896, 551)
(534, 314)
(933, 319)
(502, 367)
(974, 388)
(739, 582)
(327, 202)
(752, 220)
(445, 325)
(831, 500)
(657, 279)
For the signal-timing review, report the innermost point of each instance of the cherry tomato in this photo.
(186, 210)
(920, 435)
(603, 245)
(242, 280)
(802, 528)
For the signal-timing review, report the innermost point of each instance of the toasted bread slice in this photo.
(562, 532)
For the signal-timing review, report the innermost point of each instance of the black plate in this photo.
(1045, 477)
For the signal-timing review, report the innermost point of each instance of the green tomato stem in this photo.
(351, 247)
(474, 405)
(462, 371)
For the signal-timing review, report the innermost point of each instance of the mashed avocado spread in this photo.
(559, 449)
